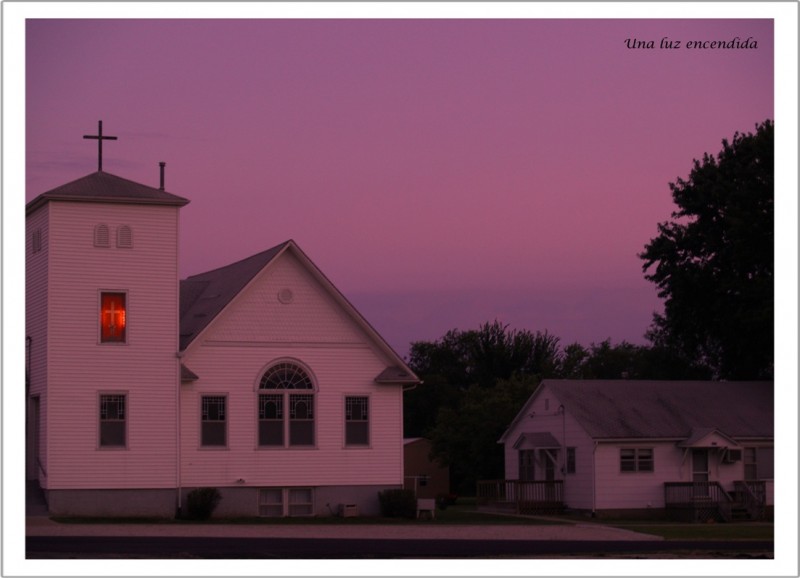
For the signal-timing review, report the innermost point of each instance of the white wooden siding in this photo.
(146, 367)
(546, 418)
(36, 310)
(311, 317)
(313, 330)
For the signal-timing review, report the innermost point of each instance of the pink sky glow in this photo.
(442, 173)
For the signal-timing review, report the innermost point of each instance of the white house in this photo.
(259, 378)
(693, 449)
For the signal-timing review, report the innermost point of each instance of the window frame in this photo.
(213, 447)
(638, 460)
(570, 458)
(286, 505)
(367, 421)
(289, 396)
(126, 313)
(125, 420)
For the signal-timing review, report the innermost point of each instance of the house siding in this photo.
(563, 427)
(258, 330)
(145, 368)
(36, 312)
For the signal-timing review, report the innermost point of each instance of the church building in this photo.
(258, 378)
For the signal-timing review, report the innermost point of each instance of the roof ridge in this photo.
(235, 263)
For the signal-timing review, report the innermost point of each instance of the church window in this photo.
(112, 420)
(213, 421)
(101, 236)
(356, 420)
(286, 413)
(124, 237)
(113, 317)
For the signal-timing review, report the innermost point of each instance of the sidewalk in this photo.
(42, 526)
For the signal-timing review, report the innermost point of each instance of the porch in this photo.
(521, 497)
(704, 501)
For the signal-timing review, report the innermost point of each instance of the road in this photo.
(332, 548)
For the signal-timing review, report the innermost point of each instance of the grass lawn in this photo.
(672, 531)
(458, 515)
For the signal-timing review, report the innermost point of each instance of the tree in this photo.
(465, 438)
(713, 262)
(460, 359)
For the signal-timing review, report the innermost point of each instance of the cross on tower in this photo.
(100, 138)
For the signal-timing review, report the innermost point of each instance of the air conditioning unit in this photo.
(731, 456)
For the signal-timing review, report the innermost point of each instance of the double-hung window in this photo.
(636, 460)
(356, 421)
(286, 412)
(113, 414)
(213, 421)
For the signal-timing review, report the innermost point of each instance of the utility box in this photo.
(348, 510)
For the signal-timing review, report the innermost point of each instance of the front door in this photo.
(527, 465)
(700, 471)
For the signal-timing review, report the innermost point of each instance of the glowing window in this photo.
(113, 318)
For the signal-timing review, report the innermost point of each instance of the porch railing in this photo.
(698, 501)
(521, 497)
(752, 496)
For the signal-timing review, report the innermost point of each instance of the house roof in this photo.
(204, 296)
(102, 187)
(536, 440)
(612, 409)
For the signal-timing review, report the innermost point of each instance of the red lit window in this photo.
(112, 318)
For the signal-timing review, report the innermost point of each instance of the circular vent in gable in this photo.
(285, 295)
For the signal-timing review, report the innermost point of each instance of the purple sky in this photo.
(442, 173)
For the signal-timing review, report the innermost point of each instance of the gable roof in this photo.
(205, 296)
(611, 409)
(102, 187)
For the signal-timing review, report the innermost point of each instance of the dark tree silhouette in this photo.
(713, 262)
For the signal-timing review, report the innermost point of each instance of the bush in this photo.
(201, 503)
(398, 503)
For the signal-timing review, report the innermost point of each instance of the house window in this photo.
(356, 419)
(113, 318)
(280, 502)
(213, 422)
(101, 236)
(759, 463)
(124, 237)
(527, 465)
(285, 415)
(570, 460)
(636, 460)
(301, 502)
(112, 421)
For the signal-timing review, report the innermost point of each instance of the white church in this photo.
(258, 378)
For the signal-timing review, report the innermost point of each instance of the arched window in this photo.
(286, 406)
(124, 237)
(101, 235)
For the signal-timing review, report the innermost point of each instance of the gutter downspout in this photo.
(178, 504)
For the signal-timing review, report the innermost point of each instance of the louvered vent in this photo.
(101, 236)
(36, 240)
(124, 237)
